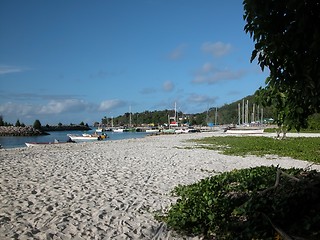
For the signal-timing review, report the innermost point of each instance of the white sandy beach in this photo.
(105, 190)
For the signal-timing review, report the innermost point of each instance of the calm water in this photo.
(14, 142)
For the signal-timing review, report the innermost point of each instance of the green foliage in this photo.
(299, 148)
(227, 114)
(1, 121)
(37, 124)
(243, 204)
(146, 117)
(18, 124)
(314, 122)
(273, 97)
(287, 41)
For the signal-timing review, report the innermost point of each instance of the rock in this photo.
(20, 131)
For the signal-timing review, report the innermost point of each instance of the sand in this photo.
(105, 190)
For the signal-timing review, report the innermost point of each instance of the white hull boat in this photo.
(118, 130)
(74, 137)
(244, 131)
(85, 137)
(152, 130)
(36, 144)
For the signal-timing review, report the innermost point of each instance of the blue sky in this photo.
(72, 61)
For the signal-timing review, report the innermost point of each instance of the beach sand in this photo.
(105, 190)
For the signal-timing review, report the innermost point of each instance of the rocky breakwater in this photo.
(20, 131)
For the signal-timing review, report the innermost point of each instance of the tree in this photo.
(37, 124)
(270, 96)
(18, 124)
(287, 41)
(104, 121)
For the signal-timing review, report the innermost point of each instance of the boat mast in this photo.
(243, 112)
(130, 116)
(247, 113)
(216, 117)
(175, 112)
(239, 114)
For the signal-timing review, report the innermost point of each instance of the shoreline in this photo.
(109, 189)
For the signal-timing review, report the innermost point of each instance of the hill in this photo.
(227, 114)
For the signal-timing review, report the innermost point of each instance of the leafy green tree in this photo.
(37, 124)
(1, 121)
(314, 122)
(271, 96)
(287, 41)
(104, 120)
(82, 123)
(18, 124)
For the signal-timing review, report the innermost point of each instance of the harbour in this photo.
(62, 136)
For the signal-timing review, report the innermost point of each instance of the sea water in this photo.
(16, 142)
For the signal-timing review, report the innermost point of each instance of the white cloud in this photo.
(178, 52)
(210, 75)
(217, 49)
(148, 91)
(62, 106)
(201, 99)
(55, 110)
(4, 69)
(107, 105)
(206, 68)
(168, 86)
(11, 108)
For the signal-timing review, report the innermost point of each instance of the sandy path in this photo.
(104, 190)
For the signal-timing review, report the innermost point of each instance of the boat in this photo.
(244, 131)
(180, 130)
(152, 130)
(118, 130)
(33, 144)
(87, 136)
(100, 130)
(168, 131)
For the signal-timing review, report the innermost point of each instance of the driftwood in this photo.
(279, 172)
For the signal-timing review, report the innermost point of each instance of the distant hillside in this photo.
(227, 114)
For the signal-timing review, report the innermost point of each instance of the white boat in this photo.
(118, 130)
(185, 130)
(87, 136)
(55, 142)
(100, 130)
(81, 137)
(153, 130)
(244, 131)
(178, 131)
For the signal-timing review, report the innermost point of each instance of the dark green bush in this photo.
(243, 204)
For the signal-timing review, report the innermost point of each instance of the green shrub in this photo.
(243, 204)
(301, 148)
(37, 124)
